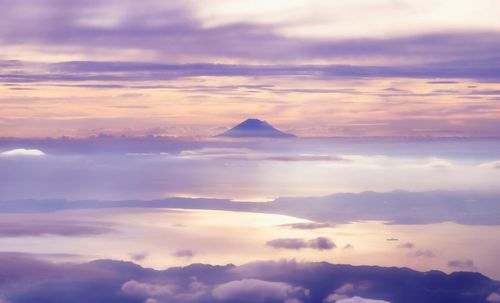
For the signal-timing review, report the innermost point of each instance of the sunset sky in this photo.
(249, 151)
(195, 68)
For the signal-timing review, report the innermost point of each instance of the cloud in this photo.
(288, 243)
(439, 163)
(311, 225)
(494, 297)
(141, 289)
(357, 299)
(244, 154)
(343, 292)
(424, 253)
(348, 247)
(139, 256)
(462, 264)
(442, 82)
(85, 71)
(184, 253)
(38, 228)
(493, 164)
(23, 152)
(319, 243)
(126, 27)
(406, 245)
(254, 290)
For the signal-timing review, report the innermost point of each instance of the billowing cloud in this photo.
(343, 292)
(136, 288)
(253, 290)
(22, 152)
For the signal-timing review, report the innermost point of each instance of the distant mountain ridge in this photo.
(263, 282)
(255, 128)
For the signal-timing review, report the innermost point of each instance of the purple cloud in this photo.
(38, 228)
(139, 256)
(424, 253)
(253, 290)
(184, 253)
(131, 26)
(80, 71)
(406, 245)
(288, 243)
(466, 264)
(312, 225)
(494, 297)
(321, 243)
(146, 290)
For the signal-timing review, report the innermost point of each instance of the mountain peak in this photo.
(255, 128)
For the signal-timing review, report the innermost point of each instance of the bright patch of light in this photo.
(23, 152)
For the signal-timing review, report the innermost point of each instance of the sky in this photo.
(122, 178)
(195, 68)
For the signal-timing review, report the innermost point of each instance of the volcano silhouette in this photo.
(255, 128)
